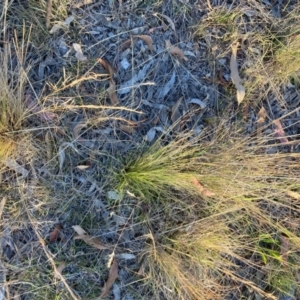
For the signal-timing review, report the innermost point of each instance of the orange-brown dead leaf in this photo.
(174, 50)
(112, 94)
(109, 69)
(201, 188)
(147, 39)
(279, 132)
(112, 276)
(54, 234)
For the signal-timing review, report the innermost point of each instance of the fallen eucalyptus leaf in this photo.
(116, 291)
(112, 276)
(112, 94)
(82, 3)
(201, 103)
(235, 77)
(174, 50)
(189, 53)
(62, 25)
(279, 132)
(79, 55)
(141, 75)
(175, 113)
(127, 256)
(109, 69)
(166, 89)
(113, 195)
(61, 153)
(151, 135)
(12, 164)
(92, 241)
(59, 269)
(148, 40)
(82, 167)
(152, 132)
(171, 23)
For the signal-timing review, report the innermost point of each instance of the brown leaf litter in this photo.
(174, 50)
(55, 233)
(112, 276)
(92, 241)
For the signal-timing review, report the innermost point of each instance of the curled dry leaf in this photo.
(109, 69)
(147, 39)
(279, 132)
(112, 276)
(54, 234)
(174, 50)
(79, 55)
(111, 91)
(92, 241)
(201, 188)
(235, 77)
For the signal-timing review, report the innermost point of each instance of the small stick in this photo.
(48, 13)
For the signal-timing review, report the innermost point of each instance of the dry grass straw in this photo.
(13, 81)
(201, 258)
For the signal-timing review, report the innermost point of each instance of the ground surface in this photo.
(109, 80)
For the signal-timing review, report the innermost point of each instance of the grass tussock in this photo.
(233, 200)
(13, 82)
